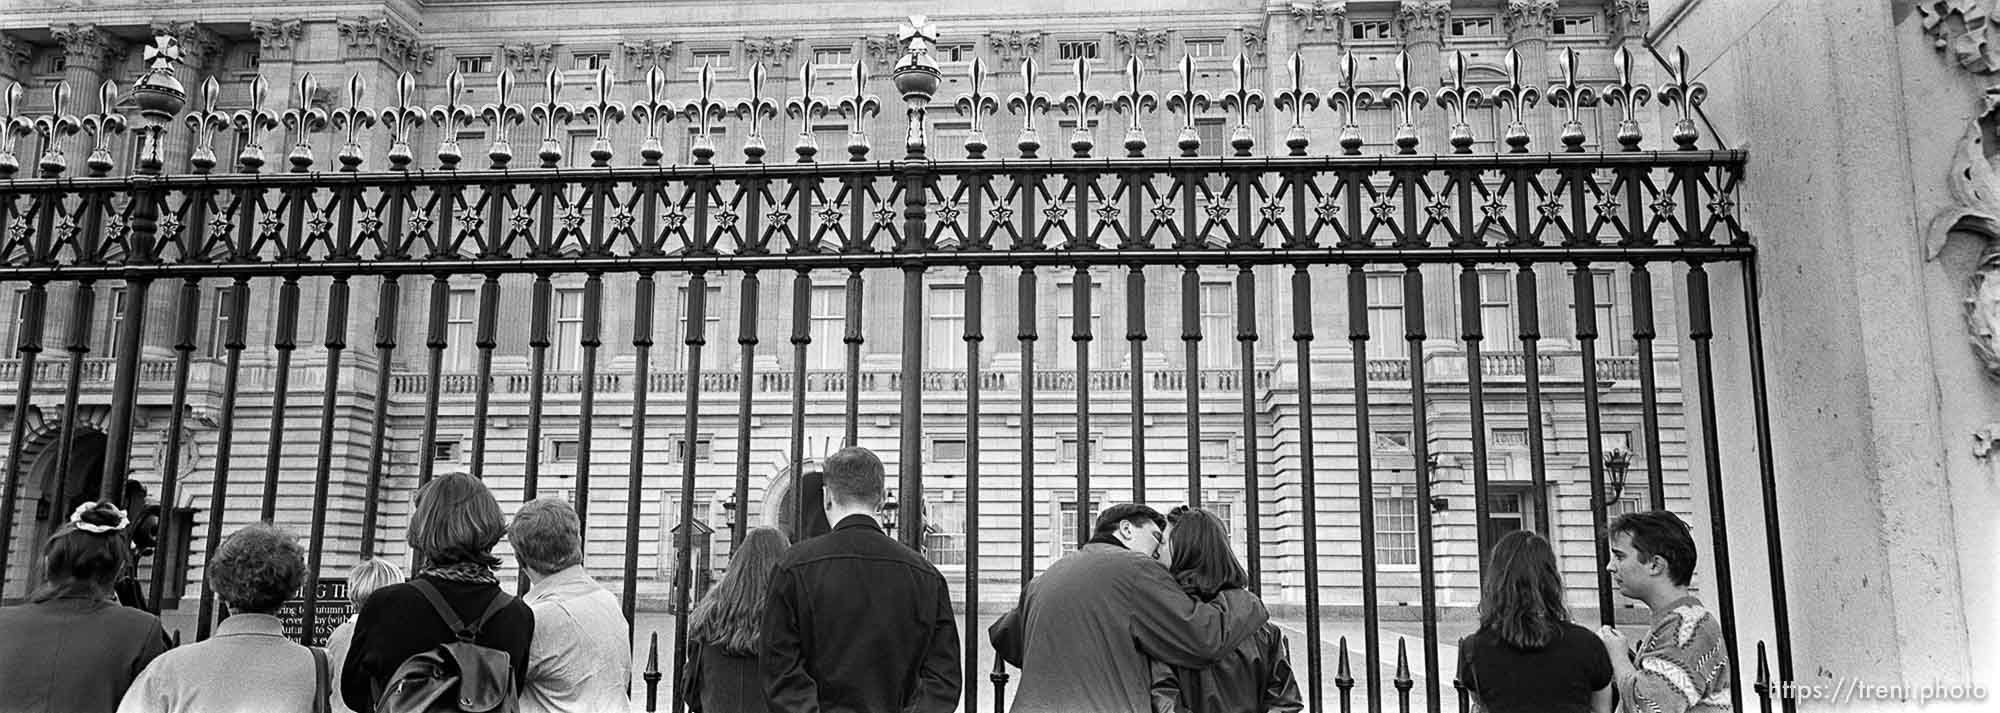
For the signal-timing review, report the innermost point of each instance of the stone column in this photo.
(1528, 34)
(1420, 28)
(1318, 32)
(87, 53)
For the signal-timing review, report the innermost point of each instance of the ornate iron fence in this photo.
(413, 228)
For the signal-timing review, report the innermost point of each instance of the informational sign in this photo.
(331, 609)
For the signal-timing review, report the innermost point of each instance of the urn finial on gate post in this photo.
(916, 76)
(159, 97)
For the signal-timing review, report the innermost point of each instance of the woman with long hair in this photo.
(1255, 677)
(71, 647)
(1526, 654)
(453, 528)
(722, 675)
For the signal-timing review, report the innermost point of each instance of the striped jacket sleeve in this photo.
(1682, 665)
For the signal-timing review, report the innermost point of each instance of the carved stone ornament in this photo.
(1015, 46)
(529, 56)
(1974, 186)
(1529, 17)
(882, 51)
(1253, 42)
(1629, 18)
(14, 55)
(1321, 16)
(87, 46)
(277, 37)
(1964, 30)
(1140, 43)
(641, 56)
(772, 51)
(376, 37)
(1422, 20)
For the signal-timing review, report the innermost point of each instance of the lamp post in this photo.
(1616, 462)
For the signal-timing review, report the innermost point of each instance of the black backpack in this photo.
(453, 677)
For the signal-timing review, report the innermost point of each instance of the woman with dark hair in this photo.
(1526, 654)
(453, 528)
(254, 571)
(72, 647)
(722, 674)
(1255, 677)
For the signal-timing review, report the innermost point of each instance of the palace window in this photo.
(1395, 525)
(1077, 49)
(475, 64)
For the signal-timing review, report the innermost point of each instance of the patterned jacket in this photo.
(1682, 665)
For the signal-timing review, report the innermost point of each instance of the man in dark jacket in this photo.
(855, 620)
(1087, 631)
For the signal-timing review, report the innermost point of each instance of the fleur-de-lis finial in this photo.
(603, 113)
(1084, 104)
(1241, 100)
(1571, 95)
(102, 124)
(13, 127)
(704, 110)
(351, 118)
(449, 116)
(548, 114)
(1405, 98)
(503, 114)
(252, 122)
(1296, 99)
(301, 120)
(1347, 99)
(1134, 102)
(976, 104)
(1628, 96)
(1455, 97)
(55, 128)
(1028, 102)
(756, 107)
(857, 106)
(1187, 102)
(805, 107)
(1680, 90)
(651, 113)
(1517, 98)
(401, 118)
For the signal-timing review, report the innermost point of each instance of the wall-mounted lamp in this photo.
(1616, 462)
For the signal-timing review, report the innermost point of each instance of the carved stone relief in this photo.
(1529, 18)
(1321, 17)
(641, 56)
(774, 52)
(1422, 20)
(1141, 43)
(276, 38)
(532, 57)
(1015, 46)
(380, 38)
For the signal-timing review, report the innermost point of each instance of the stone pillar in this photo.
(87, 53)
(1420, 28)
(14, 55)
(1318, 32)
(1528, 34)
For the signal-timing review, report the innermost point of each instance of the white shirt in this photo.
(580, 660)
(247, 667)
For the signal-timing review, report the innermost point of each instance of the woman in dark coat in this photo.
(453, 528)
(72, 647)
(1527, 655)
(722, 675)
(1254, 678)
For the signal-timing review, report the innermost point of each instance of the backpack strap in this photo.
(444, 610)
(500, 601)
(321, 687)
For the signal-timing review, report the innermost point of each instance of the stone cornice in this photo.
(1422, 20)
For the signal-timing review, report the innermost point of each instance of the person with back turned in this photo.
(856, 621)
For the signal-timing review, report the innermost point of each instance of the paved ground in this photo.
(1332, 629)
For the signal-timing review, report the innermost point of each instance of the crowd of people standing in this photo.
(1153, 613)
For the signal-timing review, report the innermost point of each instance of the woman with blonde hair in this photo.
(722, 674)
(362, 580)
(71, 647)
(453, 528)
